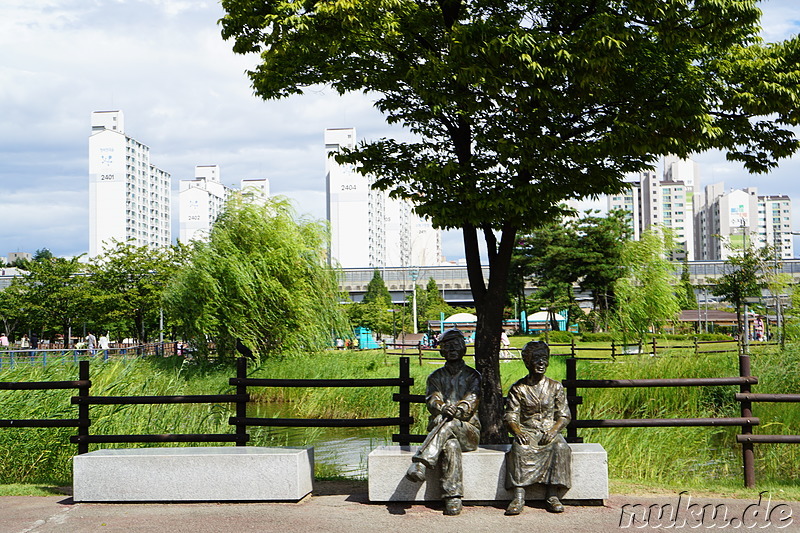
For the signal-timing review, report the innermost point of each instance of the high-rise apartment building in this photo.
(258, 188)
(369, 229)
(200, 201)
(729, 221)
(203, 198)
(667, 202)
(709, 225)
(129, 198)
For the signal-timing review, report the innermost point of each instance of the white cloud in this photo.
(184, 94)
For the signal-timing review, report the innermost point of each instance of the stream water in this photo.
(344, 450)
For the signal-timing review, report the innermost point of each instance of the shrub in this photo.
(560, 336)
(597, 337)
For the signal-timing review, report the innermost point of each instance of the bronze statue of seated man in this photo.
(452, 396)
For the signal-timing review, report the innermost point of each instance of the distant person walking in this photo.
(104, 345)
(3, 340)
(504, 346)
(91, 343)
(24, 342)
(34, 345)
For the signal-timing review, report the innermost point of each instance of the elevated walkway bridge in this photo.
(453, 282)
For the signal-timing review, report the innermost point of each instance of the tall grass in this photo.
(680, 457)
(43, 455)
(693, 457)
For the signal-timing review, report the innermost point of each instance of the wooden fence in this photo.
(746, 421)
(572, 349)
(84, 400)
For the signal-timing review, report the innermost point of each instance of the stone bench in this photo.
(225, 473)
(484, 475)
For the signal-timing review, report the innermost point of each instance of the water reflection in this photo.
(341, 451)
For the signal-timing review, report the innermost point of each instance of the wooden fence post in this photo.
(83, 407)
(572, 346)
(748, 458)
(655, 352)
(572, 392)
(404, 404)
(241, 406)
(613, 349)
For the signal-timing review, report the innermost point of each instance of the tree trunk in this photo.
(489, 305)
(551, 316)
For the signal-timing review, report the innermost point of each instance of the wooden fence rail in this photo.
(746, 421)
(572, 349)
(404, 382)
(84, 400)
(38, 422)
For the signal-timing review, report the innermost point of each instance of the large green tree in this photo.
(548, 256)
(128, 284)
(520, 105)
(11, 308)
(53, 296)
(375, 311)
(585, 250)
(262, 277)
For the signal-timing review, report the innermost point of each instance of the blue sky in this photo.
(184, 94)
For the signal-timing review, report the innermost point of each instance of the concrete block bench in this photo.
(484, 475)
(225, 473)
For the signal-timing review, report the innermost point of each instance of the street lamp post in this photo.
(414, 274)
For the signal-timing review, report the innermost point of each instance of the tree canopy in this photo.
(377, 292)
(518, 106)
(586, 250)
(375, 311)
(52, 296)
(745, 274)
(128, 282)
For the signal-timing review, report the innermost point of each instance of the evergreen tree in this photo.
(377, 292)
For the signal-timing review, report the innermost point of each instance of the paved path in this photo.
(344, 507)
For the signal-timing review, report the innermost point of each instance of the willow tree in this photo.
(645, 295)
(261, 277)
(519, 105)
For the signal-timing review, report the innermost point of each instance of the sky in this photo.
(185, 94)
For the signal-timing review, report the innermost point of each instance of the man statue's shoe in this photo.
(416, 472)
(452, 506)
(554, 505)
(516, 506)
